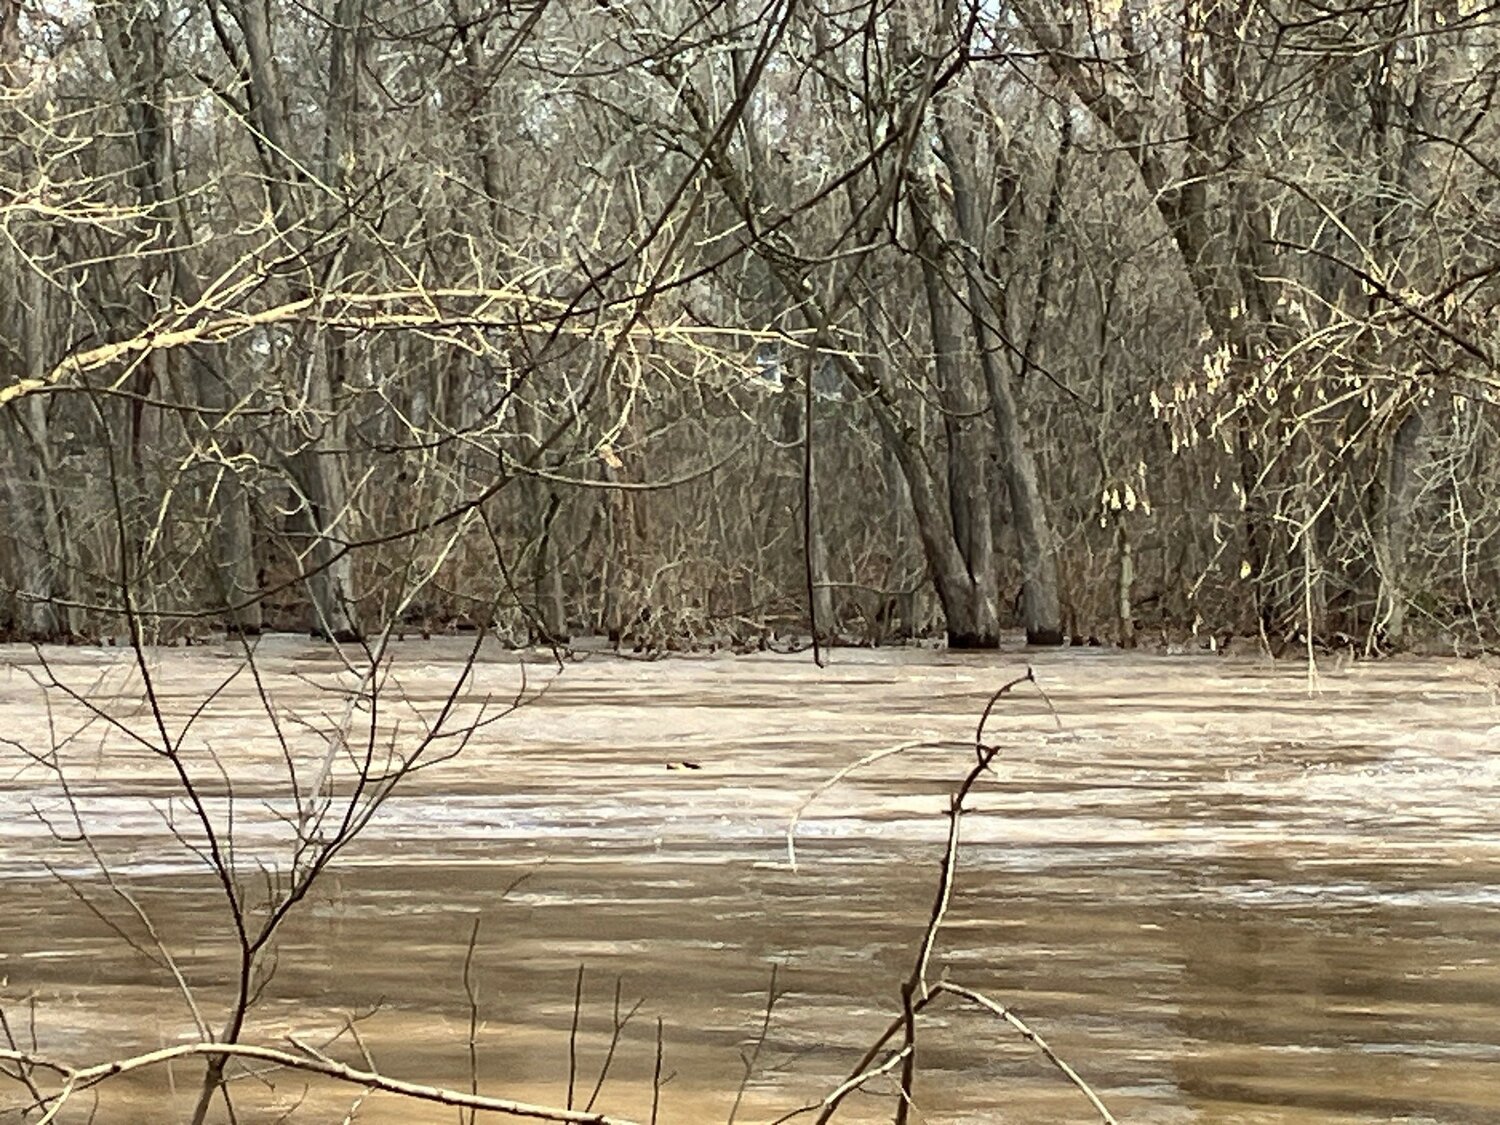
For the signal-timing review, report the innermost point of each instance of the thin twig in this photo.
(471, 991)
(573, 1036)
(614, 1041)
(829, 783)
(760, 1041)
(916, 991)
(1031, 1036)
(656, 1073)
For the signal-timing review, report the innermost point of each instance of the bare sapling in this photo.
(337, 769)
(895, 1051)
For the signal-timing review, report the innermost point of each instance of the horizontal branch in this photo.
(77, 1078)
(450, 310)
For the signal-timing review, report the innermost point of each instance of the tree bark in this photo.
(42, 546)
(538, 502)
(316, 467)
(1041, 605)
(134, 43)
(968, 486)
(1223, 282)
(1401, 486)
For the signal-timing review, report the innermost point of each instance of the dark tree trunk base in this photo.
(1044, 637)
(972, 640)
(52, 637)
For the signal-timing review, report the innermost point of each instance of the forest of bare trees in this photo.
(682, 322)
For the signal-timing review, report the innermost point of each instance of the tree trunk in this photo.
(949, 570)
(1041, 604)
(1124, 581)
(33, 523)
(1225, 282)
(1401, 486)
(968, 492)
(316, 469)
(42, 549)
(548, 615)
(968, 623)
(795, 432)
(323, 477)
(134, 42)
(539, 502)
(325, 512)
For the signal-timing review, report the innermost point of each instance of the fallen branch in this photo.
(75, 1079)
(823, 787)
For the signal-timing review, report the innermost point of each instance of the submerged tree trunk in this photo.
(135, 44)
(968, 486)
(332, 584)
(1401, 484)
(796, 431)
(1124, 581)
(325, 513)
(547, 612)
(42, 547)
(316, 467)
(1041, 604)
(968, 623)
(1219, 265)
(33, 525)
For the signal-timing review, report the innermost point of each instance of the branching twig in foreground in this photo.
(917, 991)
(1032, 1037)
(80, 1078)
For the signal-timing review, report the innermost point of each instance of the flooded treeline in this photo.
(679, 321)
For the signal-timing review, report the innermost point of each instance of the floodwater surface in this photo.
(1222, 893)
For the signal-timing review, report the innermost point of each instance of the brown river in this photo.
(1221, 891)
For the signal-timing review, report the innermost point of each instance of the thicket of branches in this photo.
(676, 320)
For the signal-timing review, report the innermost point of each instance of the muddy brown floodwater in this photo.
(1222, 897)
